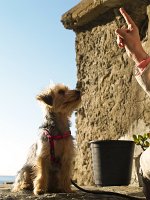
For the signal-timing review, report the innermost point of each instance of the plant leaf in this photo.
(148, 135)
(140, 137)
(146, 144)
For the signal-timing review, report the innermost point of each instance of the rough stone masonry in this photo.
(113, 105)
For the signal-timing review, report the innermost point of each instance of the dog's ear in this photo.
(48, 99)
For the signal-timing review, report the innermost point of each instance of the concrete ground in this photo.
(6, 194)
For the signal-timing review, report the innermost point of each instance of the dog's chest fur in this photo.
(56, 126)
(55, 123)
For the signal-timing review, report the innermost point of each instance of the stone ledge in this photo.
(6, 194)
(86, 11)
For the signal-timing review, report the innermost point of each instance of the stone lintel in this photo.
(86, 11)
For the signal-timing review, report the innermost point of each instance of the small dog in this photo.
(49, 163)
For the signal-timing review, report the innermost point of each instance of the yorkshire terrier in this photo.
(49, 163)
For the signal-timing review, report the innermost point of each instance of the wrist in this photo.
(139, 56)
(143, 64)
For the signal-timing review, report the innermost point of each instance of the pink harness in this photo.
(51, 139)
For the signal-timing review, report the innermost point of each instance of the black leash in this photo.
(107, 193)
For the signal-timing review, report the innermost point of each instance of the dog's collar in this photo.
(51, 139)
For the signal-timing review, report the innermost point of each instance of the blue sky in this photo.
(35, 49)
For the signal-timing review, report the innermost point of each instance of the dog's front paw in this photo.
(39, 187)
(38, 191)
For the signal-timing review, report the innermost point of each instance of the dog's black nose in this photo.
(78, 93)
(78, 85)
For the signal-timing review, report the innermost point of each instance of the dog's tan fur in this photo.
(39, 173)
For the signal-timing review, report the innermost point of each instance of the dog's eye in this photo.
(61, 92)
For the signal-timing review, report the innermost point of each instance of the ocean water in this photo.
(5, 179)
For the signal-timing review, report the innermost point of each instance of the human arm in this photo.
(129, 39)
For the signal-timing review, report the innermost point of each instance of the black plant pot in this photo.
(112, 162)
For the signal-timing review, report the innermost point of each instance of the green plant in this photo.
(142, 140)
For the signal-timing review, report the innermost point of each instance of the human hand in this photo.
(129, 39)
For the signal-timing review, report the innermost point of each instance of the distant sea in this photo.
(5, 179)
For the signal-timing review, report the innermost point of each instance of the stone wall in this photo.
(113, 105)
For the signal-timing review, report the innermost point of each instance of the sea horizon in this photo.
(6, 179)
